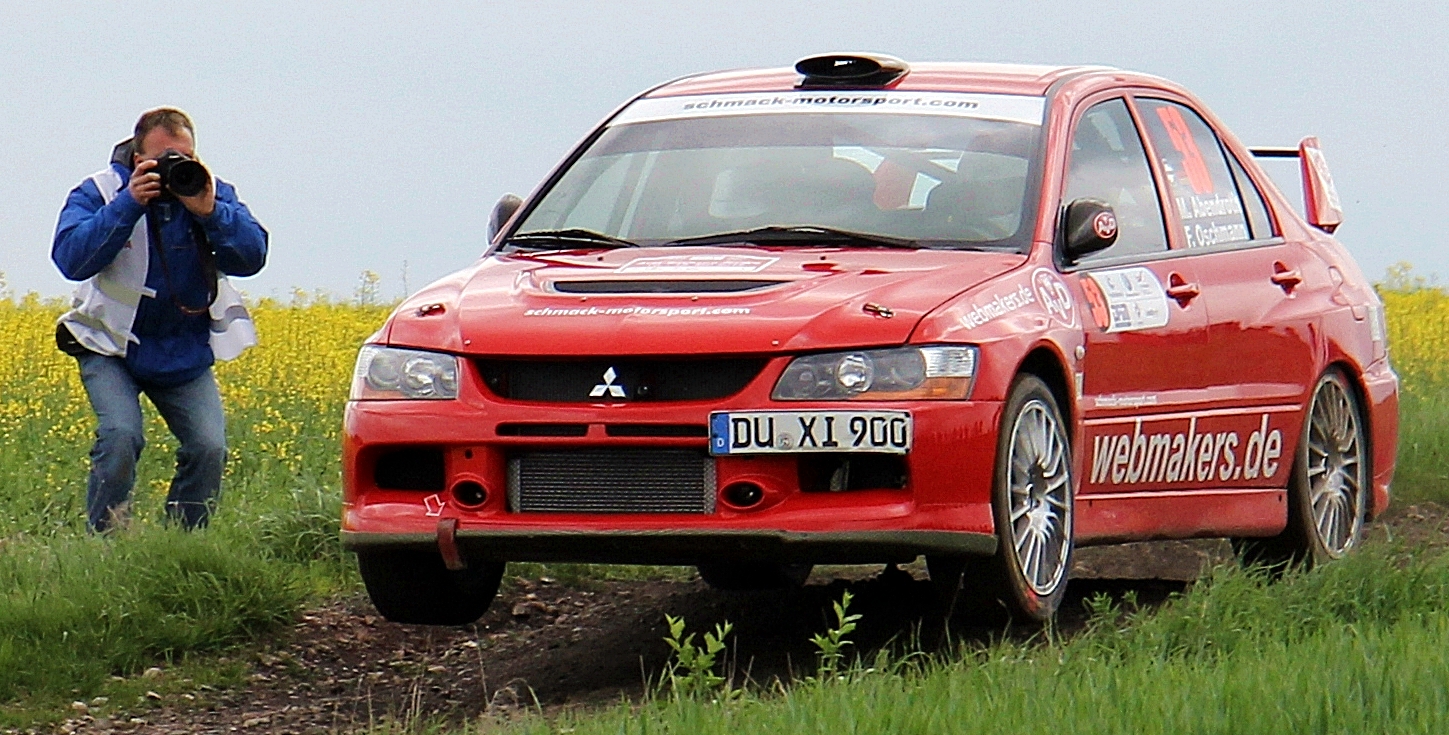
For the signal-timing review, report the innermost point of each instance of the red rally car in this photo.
(860, 311)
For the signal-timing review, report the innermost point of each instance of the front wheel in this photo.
(1031, 502)
(1328, 492)
(409, 586)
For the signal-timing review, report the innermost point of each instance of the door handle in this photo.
(1180, 290)
(1286, 278)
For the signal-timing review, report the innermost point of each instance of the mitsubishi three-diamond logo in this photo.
(614, 391)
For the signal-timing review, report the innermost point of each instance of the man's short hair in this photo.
(172, 119)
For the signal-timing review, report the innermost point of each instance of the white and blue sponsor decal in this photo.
(1007, 107)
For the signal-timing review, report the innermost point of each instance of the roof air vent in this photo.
(850, 70)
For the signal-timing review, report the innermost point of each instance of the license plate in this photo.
(788, 432)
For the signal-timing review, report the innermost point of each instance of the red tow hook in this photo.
(448, 545)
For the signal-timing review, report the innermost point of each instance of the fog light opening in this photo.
(469, 494)
(744, 494)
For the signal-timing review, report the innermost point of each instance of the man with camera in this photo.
(151, 238)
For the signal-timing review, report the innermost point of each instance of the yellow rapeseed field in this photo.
(284, 401)
(1419, 336)
(283, 398)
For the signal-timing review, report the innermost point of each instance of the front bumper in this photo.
(942, 507)
(687, 546)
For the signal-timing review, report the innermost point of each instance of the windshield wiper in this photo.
(538, 239)
(801, 234)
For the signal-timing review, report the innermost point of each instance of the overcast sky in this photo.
(373, 136)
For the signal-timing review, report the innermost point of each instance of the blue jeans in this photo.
(193, 413)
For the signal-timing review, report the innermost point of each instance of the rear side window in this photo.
(1253, 201)
(1203, 189)
(1109, 163)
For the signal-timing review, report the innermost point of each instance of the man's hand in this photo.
(203, 204)
(145, 185)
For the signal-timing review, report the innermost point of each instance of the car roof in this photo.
(924, 76)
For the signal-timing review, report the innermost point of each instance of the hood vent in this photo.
(661, 286)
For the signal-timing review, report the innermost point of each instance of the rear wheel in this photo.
(1032, 506)
(754, 576)
(1328, 492)
(409, 586)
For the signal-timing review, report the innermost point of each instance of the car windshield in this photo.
(938, 180)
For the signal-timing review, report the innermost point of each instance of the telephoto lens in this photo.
(180, 174)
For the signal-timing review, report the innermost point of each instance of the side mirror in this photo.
(502, 212)
(1090, 226)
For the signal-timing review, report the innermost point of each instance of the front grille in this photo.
(613, 381)
(623, 480)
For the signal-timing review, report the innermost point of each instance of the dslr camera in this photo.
(181, 174)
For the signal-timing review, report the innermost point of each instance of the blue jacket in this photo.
(173, 347)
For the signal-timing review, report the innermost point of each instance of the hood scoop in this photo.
(662, 286)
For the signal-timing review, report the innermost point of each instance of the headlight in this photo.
(392, 373)
(939, 371)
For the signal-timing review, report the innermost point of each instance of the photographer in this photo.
(151, 237)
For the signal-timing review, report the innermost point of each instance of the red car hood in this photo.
(610, 303)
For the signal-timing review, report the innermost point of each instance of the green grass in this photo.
(1361, 646)
(1386, 680)
(76, 611)
(1422, 472)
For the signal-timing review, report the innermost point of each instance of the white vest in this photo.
(104, 307)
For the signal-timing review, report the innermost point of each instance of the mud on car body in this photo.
(861, 311)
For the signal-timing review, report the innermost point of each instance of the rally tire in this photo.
(1031, 503)
(735, 577)
(1329, 488)
(408, 586)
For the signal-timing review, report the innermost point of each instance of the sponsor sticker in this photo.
(1210, 448)
(1007, 107)
(1054, 297)
(995, 305)
(698, 264)
(633, 310)
(1125, 400)
(1104, 225)
(1126, 300)
(1320, 166)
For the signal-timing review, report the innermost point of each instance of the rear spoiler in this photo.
(1320, 198)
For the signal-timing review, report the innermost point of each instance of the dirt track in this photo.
(559, 645)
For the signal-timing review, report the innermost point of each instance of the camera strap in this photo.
(208, 262)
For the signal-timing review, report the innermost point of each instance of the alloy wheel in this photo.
(1336, 468)
(1039, 480)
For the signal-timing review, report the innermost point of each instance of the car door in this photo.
(1262, 294)
(1145, 326)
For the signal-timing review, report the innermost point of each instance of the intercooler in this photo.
(614, 480)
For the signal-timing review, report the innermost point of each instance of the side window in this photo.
(1203, 189)
(1109, 163)
(1258, 220)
